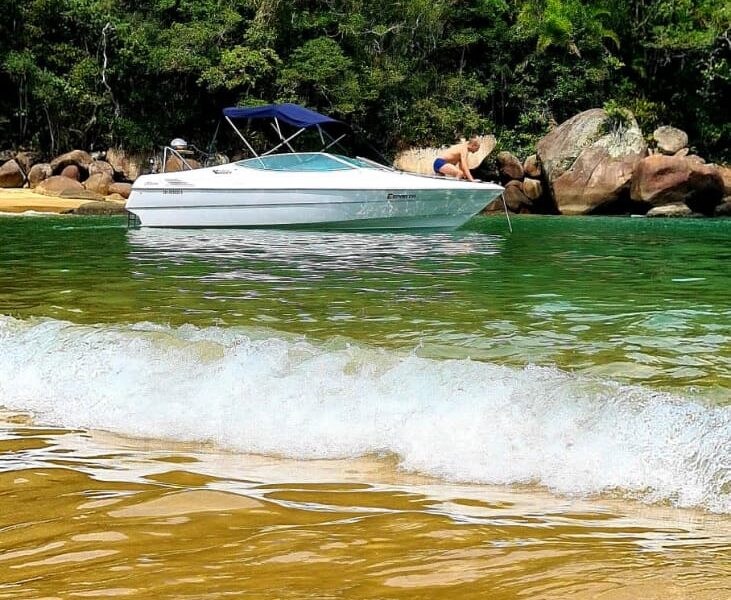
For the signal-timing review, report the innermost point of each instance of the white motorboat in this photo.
(304, 189)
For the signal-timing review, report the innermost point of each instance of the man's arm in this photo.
(463, 163)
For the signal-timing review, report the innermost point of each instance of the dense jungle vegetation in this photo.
(100, 73)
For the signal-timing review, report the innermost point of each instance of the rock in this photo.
(725, 173)
(723, 209)
(6, 155)
(676, 209)
(682, 152)
(26, 160)
(39, 173)
(532, 188)
(72, 172)
(706, 186)
(115, 198)
(696, 159)
(99, 183)
(670, 139)
(558, 150)
(587, 169)
(509, 167)
(516, 200)
(531, 167)
(494, 206)
(76, 157)
(101, 166)
(123, 189)
(127, 166)
(174, 164)
(11, 175)
(57, 184)
(100, 208)
(661, 180)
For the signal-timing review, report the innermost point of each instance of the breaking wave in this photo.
(258, 391)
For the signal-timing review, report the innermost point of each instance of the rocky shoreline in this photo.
(595, 163)
(75, 182)
(601, 164)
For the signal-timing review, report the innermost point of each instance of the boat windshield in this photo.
(304, 162)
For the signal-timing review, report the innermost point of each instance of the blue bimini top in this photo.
(292, 114)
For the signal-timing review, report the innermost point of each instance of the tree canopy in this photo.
(101, 73)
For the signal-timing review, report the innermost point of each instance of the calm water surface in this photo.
(203, 413)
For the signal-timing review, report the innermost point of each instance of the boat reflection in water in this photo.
(311, 253)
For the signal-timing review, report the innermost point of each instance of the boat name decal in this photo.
(401, 196)
(171, 191)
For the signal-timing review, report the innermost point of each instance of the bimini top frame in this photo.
(292, 114)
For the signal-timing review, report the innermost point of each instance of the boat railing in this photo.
(159, 162)
(170, 151)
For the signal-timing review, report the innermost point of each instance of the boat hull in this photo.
(340, 209)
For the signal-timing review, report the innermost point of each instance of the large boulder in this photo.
(532, 188)
(78, 158)
(11, 175)
(123, 189)
(558, 150)
(515, 199)
(127, 166)
(531, 167)
(99, 183)
(26, 160)
(72, 172)
(661, 180)
(725, 173)
(588, 163)
(670, 139)
(58, 185)
(101, 166)
(174, 164)
(509, 166)
(39, 173)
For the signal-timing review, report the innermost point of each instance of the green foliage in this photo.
(103, 72)
(620, 117)
(240, 67)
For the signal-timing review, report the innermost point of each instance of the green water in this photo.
(636, 300)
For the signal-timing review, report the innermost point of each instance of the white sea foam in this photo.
(261, 392)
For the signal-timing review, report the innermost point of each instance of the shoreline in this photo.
(21, 200)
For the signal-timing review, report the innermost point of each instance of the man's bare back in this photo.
(453, 160)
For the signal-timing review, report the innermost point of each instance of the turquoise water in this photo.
(632, 299)
(585, 355)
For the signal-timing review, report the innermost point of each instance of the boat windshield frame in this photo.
(303, 160)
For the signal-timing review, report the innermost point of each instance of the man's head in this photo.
(473, 143)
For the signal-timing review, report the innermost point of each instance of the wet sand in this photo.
(90, 514)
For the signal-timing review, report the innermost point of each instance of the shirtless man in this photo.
(453, 161)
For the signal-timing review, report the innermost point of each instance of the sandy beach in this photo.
(20, 200)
